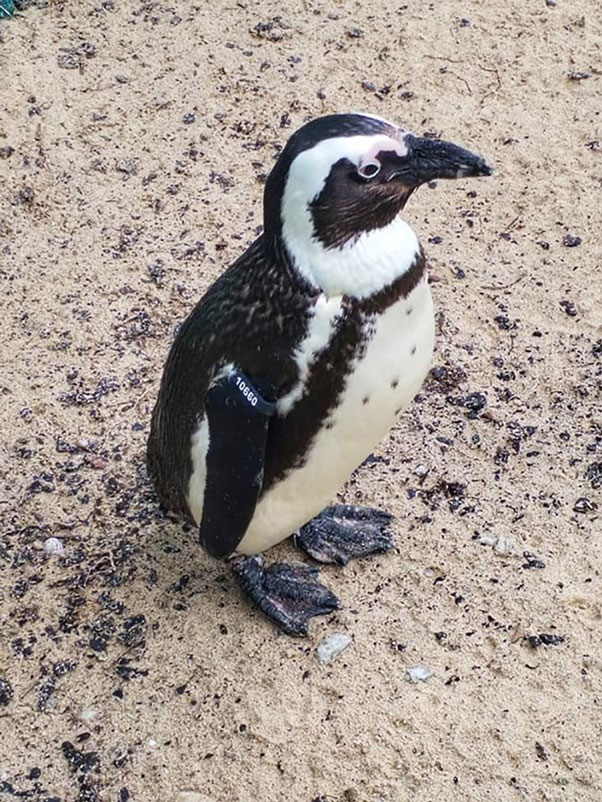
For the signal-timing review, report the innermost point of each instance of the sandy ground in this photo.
(134, 139)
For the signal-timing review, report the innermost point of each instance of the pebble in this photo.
(421, 470)
(88, 715)
(96, 462)
(418, 674)
(584, 505)
(503, 545)
(53, 545)
(332, 646)
(500, 543)
(191, 796)
(6, 692)
(569, 307)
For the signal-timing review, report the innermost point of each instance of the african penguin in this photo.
(300, 357)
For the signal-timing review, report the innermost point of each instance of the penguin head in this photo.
(343, 175)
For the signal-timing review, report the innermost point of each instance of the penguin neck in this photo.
(363, 266)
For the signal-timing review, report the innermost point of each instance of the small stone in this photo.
(96, 462)
(503, 545)
(191, 796)
(550, 640)
(584, 505)
(88, 715)
(25, 195)
(418, 674)
(87, 49)
(421, 470)
(332, 646)
(68, 61)
(6, 692)
(127, 167)
(570, 241)
(189, 118)
(545, 639)
(551, 3)
(578, 75)
(594, 474)
(532, 561)
(569, 308)
(54, 545)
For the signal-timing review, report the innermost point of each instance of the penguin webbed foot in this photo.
(288, 593)
(342, 532)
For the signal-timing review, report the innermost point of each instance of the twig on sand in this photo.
(503, 286)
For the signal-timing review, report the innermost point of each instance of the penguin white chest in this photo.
(382, 381)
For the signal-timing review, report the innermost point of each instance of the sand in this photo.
(134, 138)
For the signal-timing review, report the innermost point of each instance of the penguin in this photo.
(299, 359)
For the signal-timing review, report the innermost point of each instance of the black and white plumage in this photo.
(300, 357)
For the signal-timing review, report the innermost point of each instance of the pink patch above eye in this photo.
(384, 143)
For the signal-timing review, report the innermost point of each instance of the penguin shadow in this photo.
(183, 577)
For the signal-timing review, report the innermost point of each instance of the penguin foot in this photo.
(342, 532)
(289, 594)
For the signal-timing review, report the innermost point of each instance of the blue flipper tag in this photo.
(249, 394)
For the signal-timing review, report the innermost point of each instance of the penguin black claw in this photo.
(287, 593)
(343, 532)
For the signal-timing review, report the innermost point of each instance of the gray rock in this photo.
(332, 646)
(418, 674)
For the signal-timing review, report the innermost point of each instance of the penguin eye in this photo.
(368, 170)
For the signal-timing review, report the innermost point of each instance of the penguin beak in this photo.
(428, 159)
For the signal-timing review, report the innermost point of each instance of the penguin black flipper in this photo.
(238, 418)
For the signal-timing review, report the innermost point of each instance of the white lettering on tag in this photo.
(246, 391)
